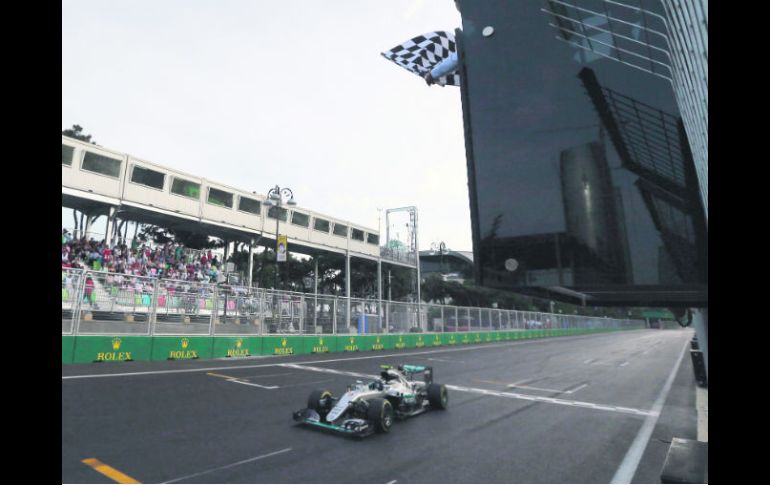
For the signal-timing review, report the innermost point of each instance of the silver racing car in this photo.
(369, 407)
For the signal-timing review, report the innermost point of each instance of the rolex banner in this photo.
(283, 248)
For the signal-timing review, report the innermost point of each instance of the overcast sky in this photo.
(254, 93)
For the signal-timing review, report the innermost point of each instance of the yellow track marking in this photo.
(220, 375)
(108, 471)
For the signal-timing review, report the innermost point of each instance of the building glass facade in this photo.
(582, 182)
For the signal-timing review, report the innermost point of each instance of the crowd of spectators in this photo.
(166, 261)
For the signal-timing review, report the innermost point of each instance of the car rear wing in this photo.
(410, 370)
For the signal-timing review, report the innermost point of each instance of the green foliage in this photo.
(192, 240)
(433, 288)
(76, 132)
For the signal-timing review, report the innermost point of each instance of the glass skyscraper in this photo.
(586, 133)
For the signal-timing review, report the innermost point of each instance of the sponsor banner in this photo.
(489, 336)
(118, 348)
(236, 347)
(376, 342)
(320, 344)
(449, 338)
(181, 348)
(400, 341)
(283, 345)
(434, 340)
(477, 338)
(417, 341)
(349, 343)
(67, 349)
(466, 337)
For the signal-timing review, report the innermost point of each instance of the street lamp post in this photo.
(275, 198)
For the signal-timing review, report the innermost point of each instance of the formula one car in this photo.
(366, 408)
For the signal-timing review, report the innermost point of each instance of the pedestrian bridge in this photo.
(101, 181)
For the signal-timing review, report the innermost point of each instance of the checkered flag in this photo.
(421, 54)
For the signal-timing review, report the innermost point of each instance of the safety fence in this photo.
(99, 305)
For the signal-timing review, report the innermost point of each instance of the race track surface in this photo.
(557, 410)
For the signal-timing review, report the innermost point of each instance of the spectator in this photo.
(88, 294)
(140, 259)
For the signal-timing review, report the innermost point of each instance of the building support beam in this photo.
(110, 223)
(251, 263)
(315, 293)
(379, 293)
(347, 289)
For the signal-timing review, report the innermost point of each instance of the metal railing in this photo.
(398, 255)
(101, 303)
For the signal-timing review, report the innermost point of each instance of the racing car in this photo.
(369, 407)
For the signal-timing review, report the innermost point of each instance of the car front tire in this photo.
(380, 413)
(314, 402)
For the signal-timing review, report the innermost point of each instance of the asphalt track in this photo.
(559, 410)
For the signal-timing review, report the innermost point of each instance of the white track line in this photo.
(230, 465)
(238, 381)
(572, 391)
(487, 392)
(521, 386)
(628, 466)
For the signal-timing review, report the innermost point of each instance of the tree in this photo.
(433, 289)
(189, 239)
(76, 132)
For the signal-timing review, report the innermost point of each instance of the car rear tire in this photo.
(380, 413)
(437, 396)
(314, 402)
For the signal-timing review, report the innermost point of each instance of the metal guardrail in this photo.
(101, 303)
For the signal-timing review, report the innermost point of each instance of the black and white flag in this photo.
(421, 54)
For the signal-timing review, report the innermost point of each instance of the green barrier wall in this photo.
(450, 338)
(235, 347)
(87, 349)
(181, 348)
(399, 341)
(349, 343)
(421, 341)
(284, 345)
(417, 341)
(67, 349)
(435, 340)
(375, 342)
(320, 344)
(101, 348)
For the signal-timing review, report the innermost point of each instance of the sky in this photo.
(254, 93)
